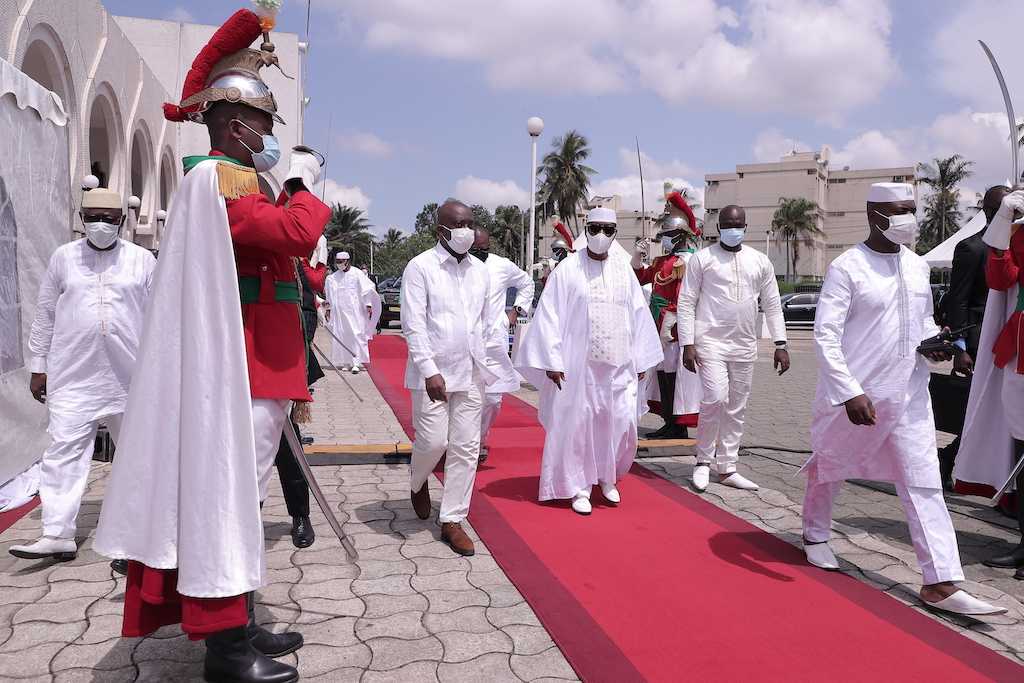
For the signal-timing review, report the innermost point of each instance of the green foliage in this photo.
(795, 220)
(348, 230)
(786, 288)
(510, 224)
(942, 214)
(426, 220)
(566, 180)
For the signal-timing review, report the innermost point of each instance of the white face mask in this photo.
(461, 239)
(101, 235)
(901, 227)
(267, 158)
(731, 237)
(599, 243)
(666, 244)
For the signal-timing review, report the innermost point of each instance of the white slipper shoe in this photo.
(962, 603)
(62, 549)
(820, 555)
(611, 494)
(737, 481)
(701, 477)
(581, 503)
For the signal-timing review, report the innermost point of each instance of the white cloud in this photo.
(180, 14)
(368, 144)
(960, 65)
(339, 194)
(813, 57)
(873, 149)
(772, 144)
(490, 193)
(628, 163)
(628, 187)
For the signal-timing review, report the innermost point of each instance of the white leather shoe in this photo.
(738, 481)
(581, 503)
(355, 369)
(62, 549)
(962, 603)
(611, 494)
(820, 555)
(701, 477)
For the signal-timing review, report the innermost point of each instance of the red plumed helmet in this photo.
(678, 206)
(560, 231)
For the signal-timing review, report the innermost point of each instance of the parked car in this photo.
(385, 283)
(390, 302)
(800, 308)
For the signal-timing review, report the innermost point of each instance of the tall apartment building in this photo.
(841, 196)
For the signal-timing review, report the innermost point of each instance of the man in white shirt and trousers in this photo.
(445, 317)
(591, 341)
(717, 318)
(872, 412)
(503, 275)
(83, 343)
(352, 317)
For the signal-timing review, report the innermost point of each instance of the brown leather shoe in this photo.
(421, 502)
(452, 533)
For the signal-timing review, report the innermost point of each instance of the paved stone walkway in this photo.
(410, 610)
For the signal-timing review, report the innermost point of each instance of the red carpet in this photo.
(11, 516)
(668, 587)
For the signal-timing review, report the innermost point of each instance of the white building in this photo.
(841, 196)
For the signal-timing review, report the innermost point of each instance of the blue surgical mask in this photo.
(731, 237)
(666, 244)
(271, 154)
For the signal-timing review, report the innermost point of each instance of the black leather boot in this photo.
(302, 532)
(666, 407)
(1014, 558)
(265, 642)
(231, 658)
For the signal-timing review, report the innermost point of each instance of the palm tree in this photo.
(506, 231)
(796, 219)
(942, 213)
(348, 230)
(566, 179)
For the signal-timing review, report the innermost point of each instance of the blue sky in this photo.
(430, 100)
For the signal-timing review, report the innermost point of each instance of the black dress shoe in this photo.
(660, 432)
(676, 432)
(272, 644)
(119, 566)
(302, 532)
(231, 658)
(1011, 560)
(306, 441)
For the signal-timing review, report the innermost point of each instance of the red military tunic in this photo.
(265, 238)
(666, 274)
(1001, 273)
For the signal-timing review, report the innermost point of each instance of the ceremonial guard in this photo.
(222, 353)
(679, 392)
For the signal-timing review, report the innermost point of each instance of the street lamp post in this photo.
(133, 216)
(534, 126)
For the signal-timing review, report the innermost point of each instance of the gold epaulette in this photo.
(678, 269)
(236, 181)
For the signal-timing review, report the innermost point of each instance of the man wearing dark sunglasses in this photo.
(590, 343)
(83, 342)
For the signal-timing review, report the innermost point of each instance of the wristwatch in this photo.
(782, 347)
(519, 309)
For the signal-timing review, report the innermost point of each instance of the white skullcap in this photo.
(342, 255)
(602, 215)
(890, 192)
(101, 198)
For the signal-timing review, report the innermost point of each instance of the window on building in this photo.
(836, 214)
(835, 246)
(897, 179)
(837, 181)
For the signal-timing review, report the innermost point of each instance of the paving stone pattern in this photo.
(410, 610)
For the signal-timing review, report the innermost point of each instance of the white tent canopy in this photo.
(941, 257)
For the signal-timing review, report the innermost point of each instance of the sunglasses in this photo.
(112, 220)
(594, 228)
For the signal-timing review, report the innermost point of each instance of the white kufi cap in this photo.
(342, 255)
(602, 215)
(890, 192)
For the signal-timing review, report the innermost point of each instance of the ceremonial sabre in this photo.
(335, 368)
(1006, 484)
(1009, 115)
(307, 474)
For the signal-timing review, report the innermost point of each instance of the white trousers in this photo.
(1013, 399)
(64, 472)
(453, 427)
(931, 529)
(726, 388)
(673, 354)
(488, 414)
(268, 418)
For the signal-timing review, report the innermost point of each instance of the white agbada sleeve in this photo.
(771, 304)
(829, 326)
(686, 304)
(41, 336)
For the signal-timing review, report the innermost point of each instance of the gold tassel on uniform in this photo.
(236, 181)
(302, 413)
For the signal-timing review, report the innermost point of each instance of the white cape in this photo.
(986, 445)
(591, 420)
(183, 491)
(349, 323)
